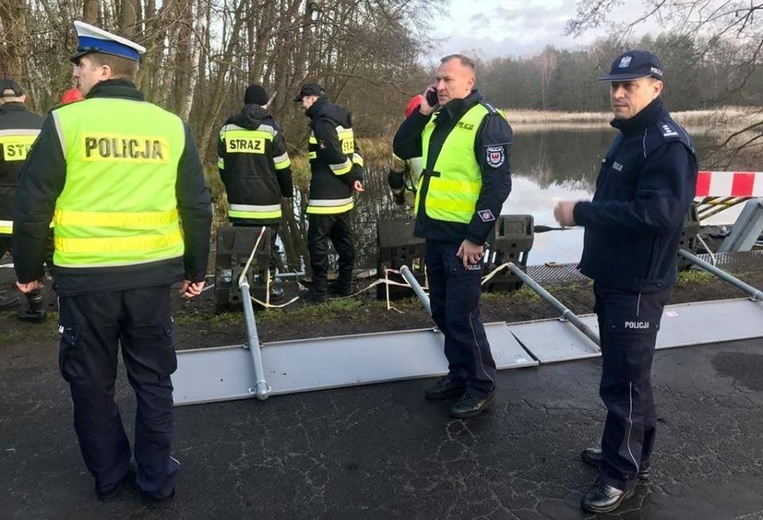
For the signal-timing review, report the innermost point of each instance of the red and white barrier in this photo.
(730, 184)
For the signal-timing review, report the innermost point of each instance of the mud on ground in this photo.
(197, 325)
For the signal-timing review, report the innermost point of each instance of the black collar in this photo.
(649, 115)
(116, 88)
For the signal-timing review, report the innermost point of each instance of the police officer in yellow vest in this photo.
(18, 130)
(464, 143)
(123, 181)
(256, 170)
(337, 171)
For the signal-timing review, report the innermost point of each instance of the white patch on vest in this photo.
(494, 156)
(486, 215)
(617, 166)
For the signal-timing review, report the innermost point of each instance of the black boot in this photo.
(35, 311)
(7, 301)
(316, 293)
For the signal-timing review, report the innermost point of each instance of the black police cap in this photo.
(634, 64)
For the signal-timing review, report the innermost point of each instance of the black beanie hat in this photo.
(255, 95)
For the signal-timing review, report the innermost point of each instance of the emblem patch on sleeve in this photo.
(494, 156)
(486, 215)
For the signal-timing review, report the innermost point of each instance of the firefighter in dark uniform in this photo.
(18, 130)
(465, 144)
(632, 230)
(256, 170)
(337, 171)
(124, 184)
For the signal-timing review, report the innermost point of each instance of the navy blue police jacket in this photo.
(494, 131)
(644, 190)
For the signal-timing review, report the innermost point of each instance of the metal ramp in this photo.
(683, 325)
(227, 373)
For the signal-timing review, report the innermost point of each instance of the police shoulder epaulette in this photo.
(489, 107)
(667, 131)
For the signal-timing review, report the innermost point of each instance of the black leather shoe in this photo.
(445, 388)
(471, 406)
(602, 498)
(593, 457)
(155, 501)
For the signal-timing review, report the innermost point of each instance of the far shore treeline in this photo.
(369, 55)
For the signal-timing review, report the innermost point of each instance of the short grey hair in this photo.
(464, 60)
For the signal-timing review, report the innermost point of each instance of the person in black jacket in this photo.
(132, 217)
(464, 143)
(632, 230)
(337, 172)
(18, 129)
(256, 170)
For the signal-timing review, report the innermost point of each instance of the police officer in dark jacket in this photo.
(632, 229)
(132, 217)
(337, 171)
(464, 143)
(256, 170)
(18, 130)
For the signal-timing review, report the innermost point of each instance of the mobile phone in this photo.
(431, 98)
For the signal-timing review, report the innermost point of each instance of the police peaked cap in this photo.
(93, 39)
(634, 64)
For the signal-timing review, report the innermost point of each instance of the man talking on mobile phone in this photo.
(464, 144)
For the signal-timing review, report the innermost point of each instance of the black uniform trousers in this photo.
(628, 326)
(91, 326)
(454, 296)
(338, 229)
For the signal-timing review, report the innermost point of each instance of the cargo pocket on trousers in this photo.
(157, 351)
(71, 356)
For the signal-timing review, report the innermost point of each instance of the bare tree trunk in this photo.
(90, 11)
(13, 14)
(196, 57)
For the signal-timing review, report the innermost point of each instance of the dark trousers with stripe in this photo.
(454, 296)
(628, 326)
(92, 326)
(338, 230)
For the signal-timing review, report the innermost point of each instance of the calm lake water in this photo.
(547, 166)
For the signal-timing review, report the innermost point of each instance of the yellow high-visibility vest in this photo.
(118, 206)
(455, 180)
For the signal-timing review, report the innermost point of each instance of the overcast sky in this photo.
(496, 28)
